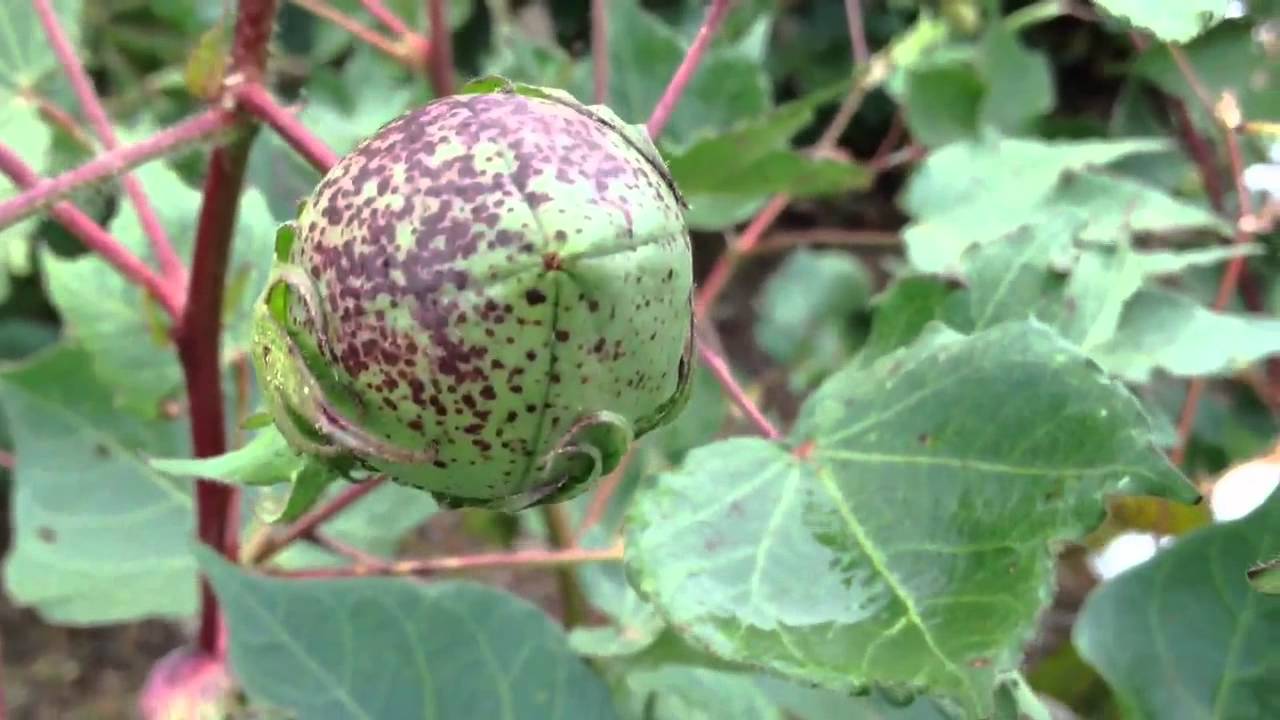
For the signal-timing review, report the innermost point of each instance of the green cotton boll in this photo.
(489, 299)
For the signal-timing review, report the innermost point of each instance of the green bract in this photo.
(489, 299)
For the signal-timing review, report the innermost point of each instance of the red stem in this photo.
(373, 38)
(600, 49)
(439, 50)
(308, 523)
(97, 239)
(714, 284)
(857, 34)
(217, 504)
(680, 80)
(430, 566)
(258, 100)
(1235, 268)
(388, 19)
(170, 264)
(721, 370)
(113, 162)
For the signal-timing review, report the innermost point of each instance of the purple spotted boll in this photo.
(488, 299)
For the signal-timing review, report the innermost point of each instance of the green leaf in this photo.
(1265, 578)
(901, 535)
(810, 292)
(101, 309)
(1177, 22)
(26, 56)
(1166, 331)
(1184, 635)
(968, 194)
(942, 102)
(265, 460)
(381, 647)
(100, 546)
(1019, 82)
(681, 692)
(902, 313)
(643, 54)
(806, 703)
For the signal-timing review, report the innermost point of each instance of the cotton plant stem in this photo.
(258, 101)
(171, 265)
(312, 520)
(96, 239)
(560, 533)
(114, 162)
(439, 49)
(389, 20)
(200, 329)
(523, 559)
(370, 37)
(684, 73)
(1227, 114)
(600, 50)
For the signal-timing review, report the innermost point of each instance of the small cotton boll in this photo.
(1123, 552)
(1242, 489)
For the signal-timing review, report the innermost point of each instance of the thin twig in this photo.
(560, 534)
(524, 559)
(868, 78)
(439, 49)
(684, 73)
(401, 53)
(1227, 116)
(389, 20)
(720, 368)
(97, 239)
(306, 524)
(115, 161)
(258, 101)
(600, 49)
(55, 115)
(341, 549)
(857, 34)
(781, 241)
(171, 265)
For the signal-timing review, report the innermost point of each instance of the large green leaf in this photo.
(1171, 22)
(901, 535)
(1184, 635)
(971, 193)
(26, 56)
(1163, 330)
(113, 318)
(382, 648)
(1019, 81)
(99, 537)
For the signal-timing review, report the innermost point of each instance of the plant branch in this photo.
(439, 49)
(389, 20)
(96, 239)
(170, 264)
(258, 101)
(866, 79)
(600, 49)
(1226, 113)
(200, 330)
(114, 162)
(834, 236)
(684, 73)
(523, 559)
(560, 533)
(857, 33)
(341, 549)
(55, 115)
(308, 523)
(724, 375)
(400, 53)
